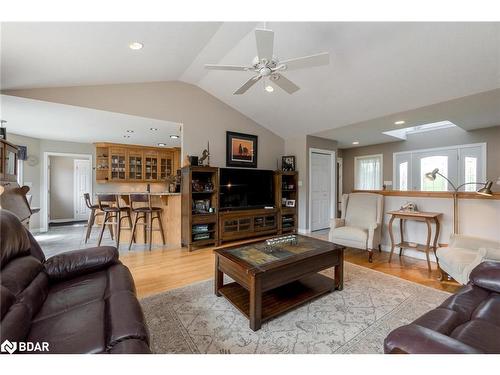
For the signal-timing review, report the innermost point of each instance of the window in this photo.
(368, 172)
(403, 176)
(461, 164)
(428, 164)
(470, 173)
(20, 172)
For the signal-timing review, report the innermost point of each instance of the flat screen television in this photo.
(242, 189)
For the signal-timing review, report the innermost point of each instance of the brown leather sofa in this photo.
(80, 301)
(467, 322)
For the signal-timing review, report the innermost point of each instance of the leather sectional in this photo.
(79, 301)
(467, 322)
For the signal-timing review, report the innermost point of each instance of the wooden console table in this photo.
(428, 218)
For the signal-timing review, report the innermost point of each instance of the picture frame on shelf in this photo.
(288, 163)
(241, 150)
(290, 203)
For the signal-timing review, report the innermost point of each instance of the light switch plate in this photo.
(300, 183)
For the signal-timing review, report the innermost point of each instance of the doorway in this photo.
(322, 187)
(66, 177)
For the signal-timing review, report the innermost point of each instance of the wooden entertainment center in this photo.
(203, 223)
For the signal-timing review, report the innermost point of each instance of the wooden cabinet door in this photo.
(118, 166)
(166, 165)
(135, 165)
(151, 166)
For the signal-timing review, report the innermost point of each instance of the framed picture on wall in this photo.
(288, 163)
(241, 150)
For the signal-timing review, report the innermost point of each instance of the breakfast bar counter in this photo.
(171, 218)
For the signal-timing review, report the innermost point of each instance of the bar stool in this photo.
(110, 205)
(147, 214)
(94, 212)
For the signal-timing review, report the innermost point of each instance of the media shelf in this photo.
(201, 227)
(286, 190)
(199, 194)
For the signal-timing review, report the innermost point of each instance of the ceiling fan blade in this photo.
(284, 83)
(226, 67)
(307, 61)
(243, 89)
(265, 44)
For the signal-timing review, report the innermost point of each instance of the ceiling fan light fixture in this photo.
(355, 143)
(135, 46)
(400, 122)
(269, 88)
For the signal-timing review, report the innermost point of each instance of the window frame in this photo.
(356, 158)
(481, 171)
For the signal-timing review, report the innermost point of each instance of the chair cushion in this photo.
(362, 209)
(457, 262)
(350, 236)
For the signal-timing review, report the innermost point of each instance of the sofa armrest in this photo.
(336, 223)
(79, 262)
(487, 276)
(415, 339)
(470, 242)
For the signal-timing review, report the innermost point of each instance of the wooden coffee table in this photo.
(269, 283)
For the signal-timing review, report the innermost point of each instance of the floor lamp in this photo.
(485, 190)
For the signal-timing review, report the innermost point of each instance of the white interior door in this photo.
(83, 184)
(321, 190)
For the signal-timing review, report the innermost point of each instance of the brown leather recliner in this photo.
(80, 301)
(467, 322)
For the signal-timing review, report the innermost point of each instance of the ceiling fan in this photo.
(266, 66)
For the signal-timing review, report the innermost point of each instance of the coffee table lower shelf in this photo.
(281, 299)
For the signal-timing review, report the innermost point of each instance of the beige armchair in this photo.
(463, 254)
(360, 225)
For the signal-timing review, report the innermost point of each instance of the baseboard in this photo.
(64, 220)
(410, 253)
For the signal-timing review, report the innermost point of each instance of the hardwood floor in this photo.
(161, 270)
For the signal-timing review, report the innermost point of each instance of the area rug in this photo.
(356, 320)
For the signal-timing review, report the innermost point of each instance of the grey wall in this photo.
(204, 117)
(33, 174)
(438, 138)
(299, 146)
(61, 187)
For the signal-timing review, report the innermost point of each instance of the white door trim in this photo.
(333, 197)
(44, 219)
(76, 197)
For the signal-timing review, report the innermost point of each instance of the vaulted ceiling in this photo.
(376, 69)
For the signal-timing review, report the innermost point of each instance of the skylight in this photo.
(403, 133)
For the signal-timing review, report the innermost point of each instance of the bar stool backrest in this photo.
(88, 202)
(140, 198)
(107, 199)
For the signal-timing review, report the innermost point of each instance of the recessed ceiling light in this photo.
(400, 122)
(162, 144)
(269, 88)
(355, 143)
(135, 45)
(174, 136)
(126, 136)
(130, 131)
(153, 129)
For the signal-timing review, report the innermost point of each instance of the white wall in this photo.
(477, 217)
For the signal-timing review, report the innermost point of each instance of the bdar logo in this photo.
(9, 347)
